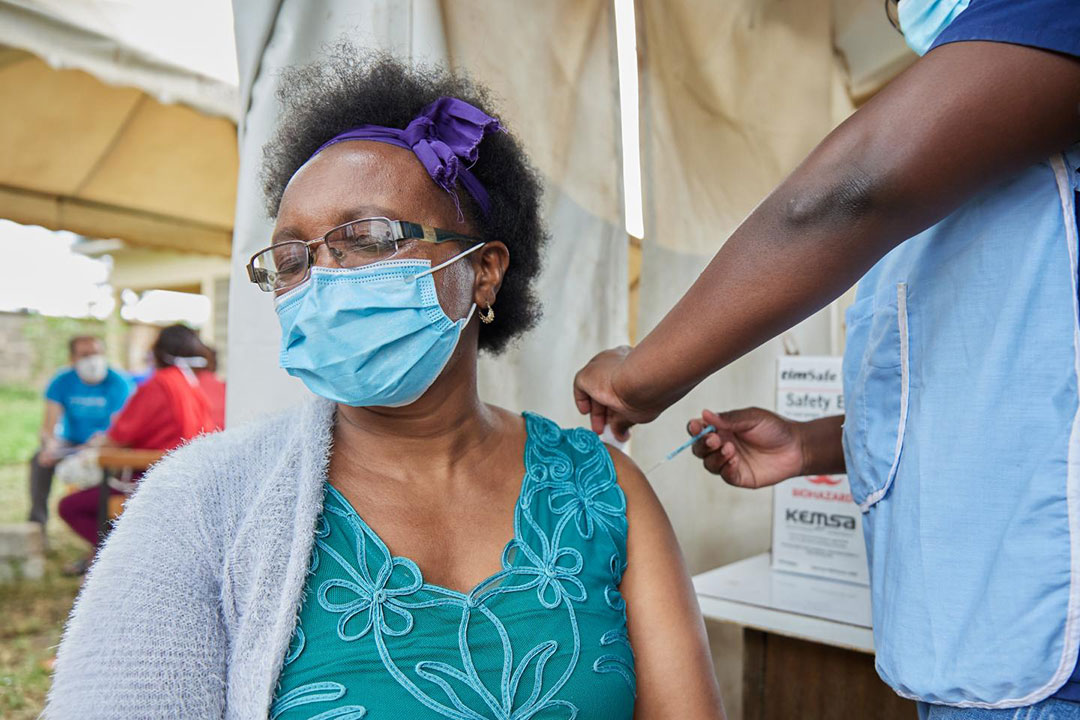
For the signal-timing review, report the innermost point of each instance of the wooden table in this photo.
(808, 644)
(114, 459)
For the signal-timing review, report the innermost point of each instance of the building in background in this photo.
(139, 269)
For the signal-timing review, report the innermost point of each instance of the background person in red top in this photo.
(182, 400)
(213, 387)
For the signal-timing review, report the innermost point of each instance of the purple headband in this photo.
(444, 134)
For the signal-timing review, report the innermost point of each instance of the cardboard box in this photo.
(817, 528)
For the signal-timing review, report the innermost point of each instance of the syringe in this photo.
(671, 455)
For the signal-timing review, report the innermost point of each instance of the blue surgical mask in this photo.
(922, 21)
(370, 336)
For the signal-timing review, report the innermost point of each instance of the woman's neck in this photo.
(433, 434)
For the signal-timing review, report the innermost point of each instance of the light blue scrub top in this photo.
(963, 446)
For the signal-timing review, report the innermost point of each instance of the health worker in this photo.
(952, 194)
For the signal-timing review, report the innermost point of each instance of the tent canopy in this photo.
(98, 146)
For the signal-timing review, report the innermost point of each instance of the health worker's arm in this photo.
(672, 661)
(961, 118)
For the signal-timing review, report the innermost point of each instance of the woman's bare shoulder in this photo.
(634, 484)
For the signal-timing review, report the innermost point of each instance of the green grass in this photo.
(21, 411)
(32, 611)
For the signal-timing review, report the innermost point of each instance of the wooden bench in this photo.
(118, 460)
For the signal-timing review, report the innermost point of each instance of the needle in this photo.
(707, 429)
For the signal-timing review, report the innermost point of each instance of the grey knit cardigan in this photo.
(189, 609)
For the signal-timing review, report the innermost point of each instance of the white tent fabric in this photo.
(175, 52)
(555, 77)
(115, 128)
(873, 50)
(734, 95)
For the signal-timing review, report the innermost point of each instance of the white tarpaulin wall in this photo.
(734, 95)
(552, 67)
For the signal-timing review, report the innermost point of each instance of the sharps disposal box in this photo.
(817, 528)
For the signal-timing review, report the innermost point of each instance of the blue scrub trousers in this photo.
(1050, 709)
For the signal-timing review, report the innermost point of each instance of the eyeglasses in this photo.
(286, 264)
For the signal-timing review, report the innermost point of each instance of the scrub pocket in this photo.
(876, 393)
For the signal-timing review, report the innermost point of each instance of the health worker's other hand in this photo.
(597, 395)
(751, 448)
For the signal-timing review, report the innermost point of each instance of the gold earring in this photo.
(487, 316)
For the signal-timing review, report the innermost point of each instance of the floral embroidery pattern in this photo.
(556, 573)
(612, 596)
(296, 645)
(617, 663)
(468, 683)
(375, 600)
(317, 693)
(585, 500)
(569, 491)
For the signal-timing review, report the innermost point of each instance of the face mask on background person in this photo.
(92, 369)
(369, 336)
(185, 365)
(922, 21)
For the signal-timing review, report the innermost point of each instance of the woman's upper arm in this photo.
(673, 664)
(146, 638)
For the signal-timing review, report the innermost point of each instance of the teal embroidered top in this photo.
(545, 637)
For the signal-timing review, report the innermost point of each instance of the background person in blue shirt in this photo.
(953, 195)
(80, 402)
